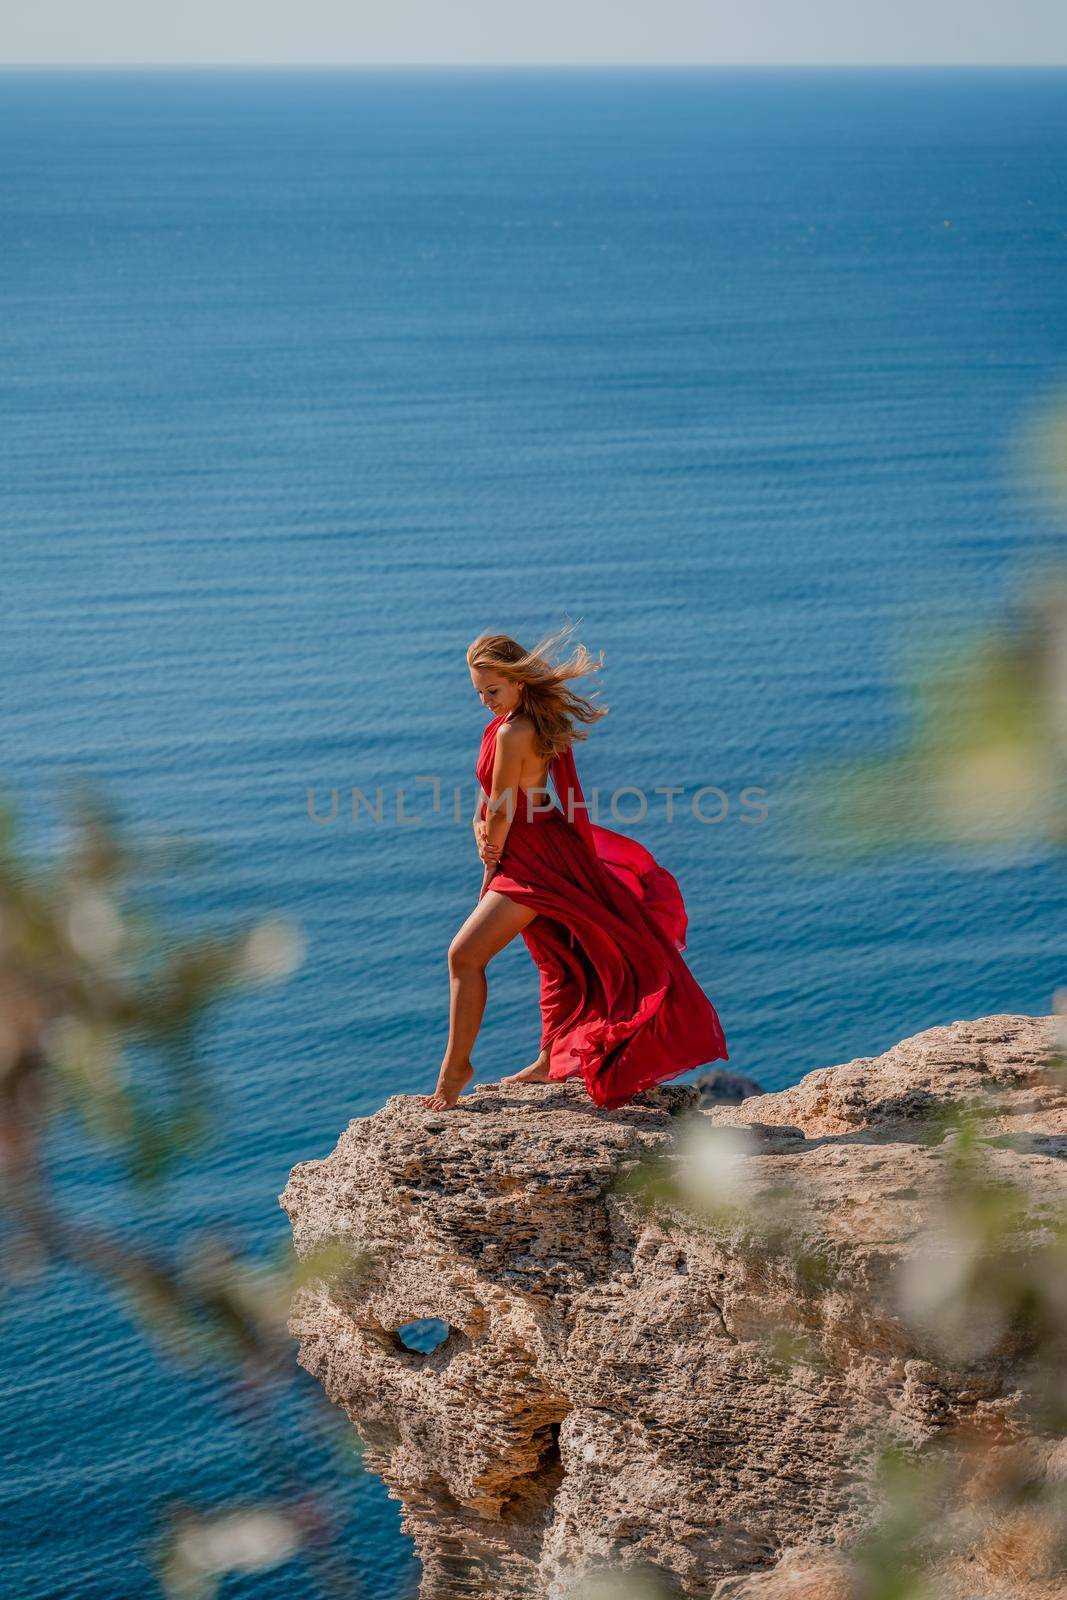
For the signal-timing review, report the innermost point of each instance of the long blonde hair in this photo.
(544, 696)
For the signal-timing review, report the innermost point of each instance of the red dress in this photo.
(619, 1005)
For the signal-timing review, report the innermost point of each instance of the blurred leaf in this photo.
(200, 1551)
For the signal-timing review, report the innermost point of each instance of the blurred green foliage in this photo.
(101, 1010)
(984, 764)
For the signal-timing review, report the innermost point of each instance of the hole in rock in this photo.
(531, 1496)
(424, 1335)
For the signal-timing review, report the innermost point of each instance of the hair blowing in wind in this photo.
(547, 701)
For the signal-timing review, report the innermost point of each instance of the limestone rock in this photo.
(604, 1395)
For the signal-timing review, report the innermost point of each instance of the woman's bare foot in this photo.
(536, 1072)
(451, 1082)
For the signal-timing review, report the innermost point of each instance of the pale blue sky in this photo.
(577, 32)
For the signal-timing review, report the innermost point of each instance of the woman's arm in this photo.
(490, 854)
(511, 744)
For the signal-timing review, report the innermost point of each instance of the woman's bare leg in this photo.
(492, 924)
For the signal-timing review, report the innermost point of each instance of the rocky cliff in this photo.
(606, 1395)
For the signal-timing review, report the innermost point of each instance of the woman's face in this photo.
(495, 692)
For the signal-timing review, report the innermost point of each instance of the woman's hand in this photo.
(490, 853)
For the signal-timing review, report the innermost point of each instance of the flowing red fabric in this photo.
(619, 1005)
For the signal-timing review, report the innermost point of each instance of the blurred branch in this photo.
(100, 1008)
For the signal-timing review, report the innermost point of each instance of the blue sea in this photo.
(308, 379)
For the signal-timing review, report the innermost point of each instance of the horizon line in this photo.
(532, 66)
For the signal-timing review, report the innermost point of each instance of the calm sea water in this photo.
(308, 379)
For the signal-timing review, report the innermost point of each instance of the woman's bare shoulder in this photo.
(518, 731)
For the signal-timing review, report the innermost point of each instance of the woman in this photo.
(603, 921)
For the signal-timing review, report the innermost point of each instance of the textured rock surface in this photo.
(604, 1394)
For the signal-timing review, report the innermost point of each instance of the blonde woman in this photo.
(604, 922)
